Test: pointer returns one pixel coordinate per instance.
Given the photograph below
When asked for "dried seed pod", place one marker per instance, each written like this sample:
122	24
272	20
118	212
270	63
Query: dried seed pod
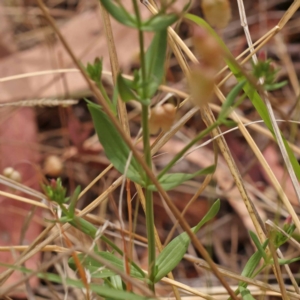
169	116
53	166
202	80
12	174
207	47
162	117
217	12
16	176
8	171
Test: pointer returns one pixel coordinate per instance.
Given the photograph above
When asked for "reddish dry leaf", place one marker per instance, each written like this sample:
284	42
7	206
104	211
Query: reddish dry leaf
17	133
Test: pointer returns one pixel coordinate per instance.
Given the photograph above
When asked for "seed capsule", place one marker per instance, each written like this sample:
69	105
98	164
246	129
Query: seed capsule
217	12
162	117
207	47
53	166
12	174
202	80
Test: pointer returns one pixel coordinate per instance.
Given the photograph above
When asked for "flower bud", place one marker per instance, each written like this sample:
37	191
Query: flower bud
216	12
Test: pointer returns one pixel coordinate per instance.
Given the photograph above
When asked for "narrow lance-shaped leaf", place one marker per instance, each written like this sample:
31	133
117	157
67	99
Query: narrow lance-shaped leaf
246	295
126	93
172	254
258	245
284	261
252	263
159	22
116	282
73	201
230	99
115	148
119	13
170	181
98	270
155	62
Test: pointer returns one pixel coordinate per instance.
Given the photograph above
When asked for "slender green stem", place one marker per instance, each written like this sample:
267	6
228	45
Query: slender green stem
149	200
141	43
148	158
180	154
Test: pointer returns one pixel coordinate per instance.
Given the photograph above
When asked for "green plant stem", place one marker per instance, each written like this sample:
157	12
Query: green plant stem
141	44
148	158
149	201
180	154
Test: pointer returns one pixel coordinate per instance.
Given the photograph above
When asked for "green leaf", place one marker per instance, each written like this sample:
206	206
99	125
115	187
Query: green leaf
116	282
230	99
250	91
125	91
98	270
276	86
246	295
159	22
279	238
292	158
155	63
283	261
115	148
258	245
73	201
170	181
229	123
172	254
95	71
119	13
83	225
252	263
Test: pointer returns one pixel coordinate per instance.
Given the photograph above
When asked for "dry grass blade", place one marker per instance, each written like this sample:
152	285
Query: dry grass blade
277	270
41	103
23	199
39	73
